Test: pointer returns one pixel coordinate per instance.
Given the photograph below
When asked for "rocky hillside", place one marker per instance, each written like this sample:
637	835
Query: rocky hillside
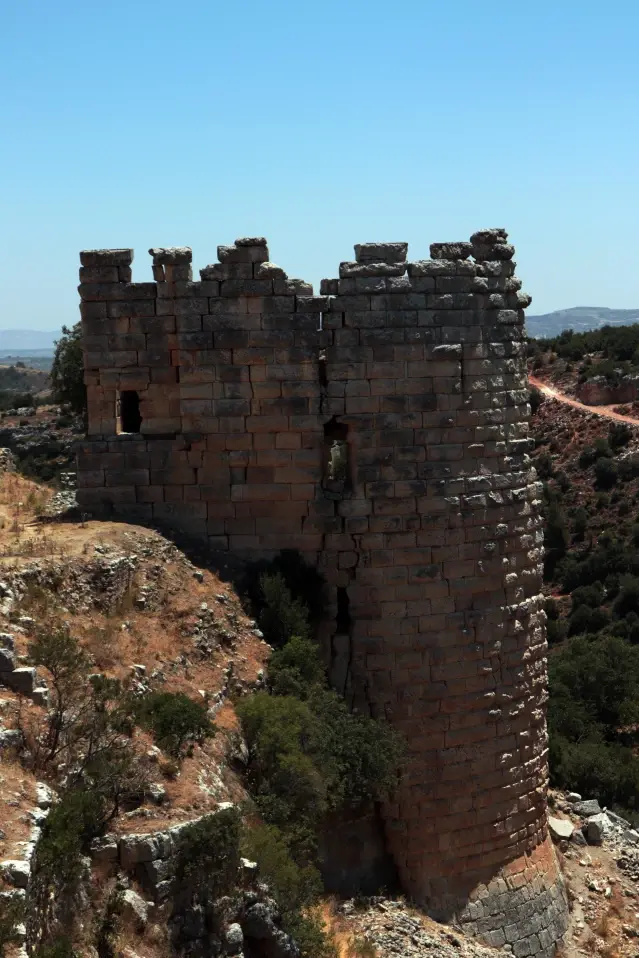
598	368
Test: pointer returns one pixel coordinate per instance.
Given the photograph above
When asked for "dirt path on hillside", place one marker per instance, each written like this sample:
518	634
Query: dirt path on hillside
606	411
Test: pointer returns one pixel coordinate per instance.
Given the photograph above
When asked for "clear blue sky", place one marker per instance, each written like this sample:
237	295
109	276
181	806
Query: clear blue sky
318	124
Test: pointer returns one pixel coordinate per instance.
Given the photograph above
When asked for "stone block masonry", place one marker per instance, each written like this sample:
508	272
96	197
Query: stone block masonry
381	429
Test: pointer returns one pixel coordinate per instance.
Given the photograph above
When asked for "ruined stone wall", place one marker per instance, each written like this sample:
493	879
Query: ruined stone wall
226	371
382	430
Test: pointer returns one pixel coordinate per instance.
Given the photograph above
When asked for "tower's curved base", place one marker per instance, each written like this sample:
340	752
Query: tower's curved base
524	905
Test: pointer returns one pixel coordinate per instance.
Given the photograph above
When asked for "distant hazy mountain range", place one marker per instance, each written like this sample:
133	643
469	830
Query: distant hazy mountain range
27	340
579	318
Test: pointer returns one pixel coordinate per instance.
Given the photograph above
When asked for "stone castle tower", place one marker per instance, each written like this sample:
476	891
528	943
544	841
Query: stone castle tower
381	429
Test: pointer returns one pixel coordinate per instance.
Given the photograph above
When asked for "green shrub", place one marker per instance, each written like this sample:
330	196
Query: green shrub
544	465
609	559
606	473
306	757
60	948
556	631
209	854
364	754
590	595
175	720
628	468
294	886
282	616
71	824
303	581
311	935
535	398
619	434
556	536
284	773
580	524
11	914
296	668
628	599
607	772
107	925
585	619
594	687
57	866
551	608
67	371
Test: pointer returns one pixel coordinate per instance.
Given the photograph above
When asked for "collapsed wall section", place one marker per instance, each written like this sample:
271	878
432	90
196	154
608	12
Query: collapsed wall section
203	397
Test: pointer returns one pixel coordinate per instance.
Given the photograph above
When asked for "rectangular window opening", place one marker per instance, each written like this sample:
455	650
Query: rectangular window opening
130	417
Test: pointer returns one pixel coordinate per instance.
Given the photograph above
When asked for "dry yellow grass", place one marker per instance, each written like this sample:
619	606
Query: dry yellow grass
347	944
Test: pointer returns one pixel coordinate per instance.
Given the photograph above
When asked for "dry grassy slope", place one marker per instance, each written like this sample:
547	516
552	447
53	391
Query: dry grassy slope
152	616
27	379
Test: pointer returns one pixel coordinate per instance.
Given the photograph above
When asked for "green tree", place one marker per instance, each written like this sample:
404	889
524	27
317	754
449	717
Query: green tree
175	720
282	616
67	664
209	854
606	473
67	371
11	915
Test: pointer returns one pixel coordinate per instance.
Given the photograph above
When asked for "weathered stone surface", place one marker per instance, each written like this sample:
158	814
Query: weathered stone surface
44	795
11	738
104	849
171	255
251	241
381	252
106	257
234	939
134	908
41	696
20	680
268	271
586	808
7	661
156	793
560	828
371	269
450	250
16	872
134	849
597	828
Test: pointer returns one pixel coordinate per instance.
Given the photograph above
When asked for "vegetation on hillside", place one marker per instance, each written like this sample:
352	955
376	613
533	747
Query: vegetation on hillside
307	754
84	744
590	471
611	352
67	371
